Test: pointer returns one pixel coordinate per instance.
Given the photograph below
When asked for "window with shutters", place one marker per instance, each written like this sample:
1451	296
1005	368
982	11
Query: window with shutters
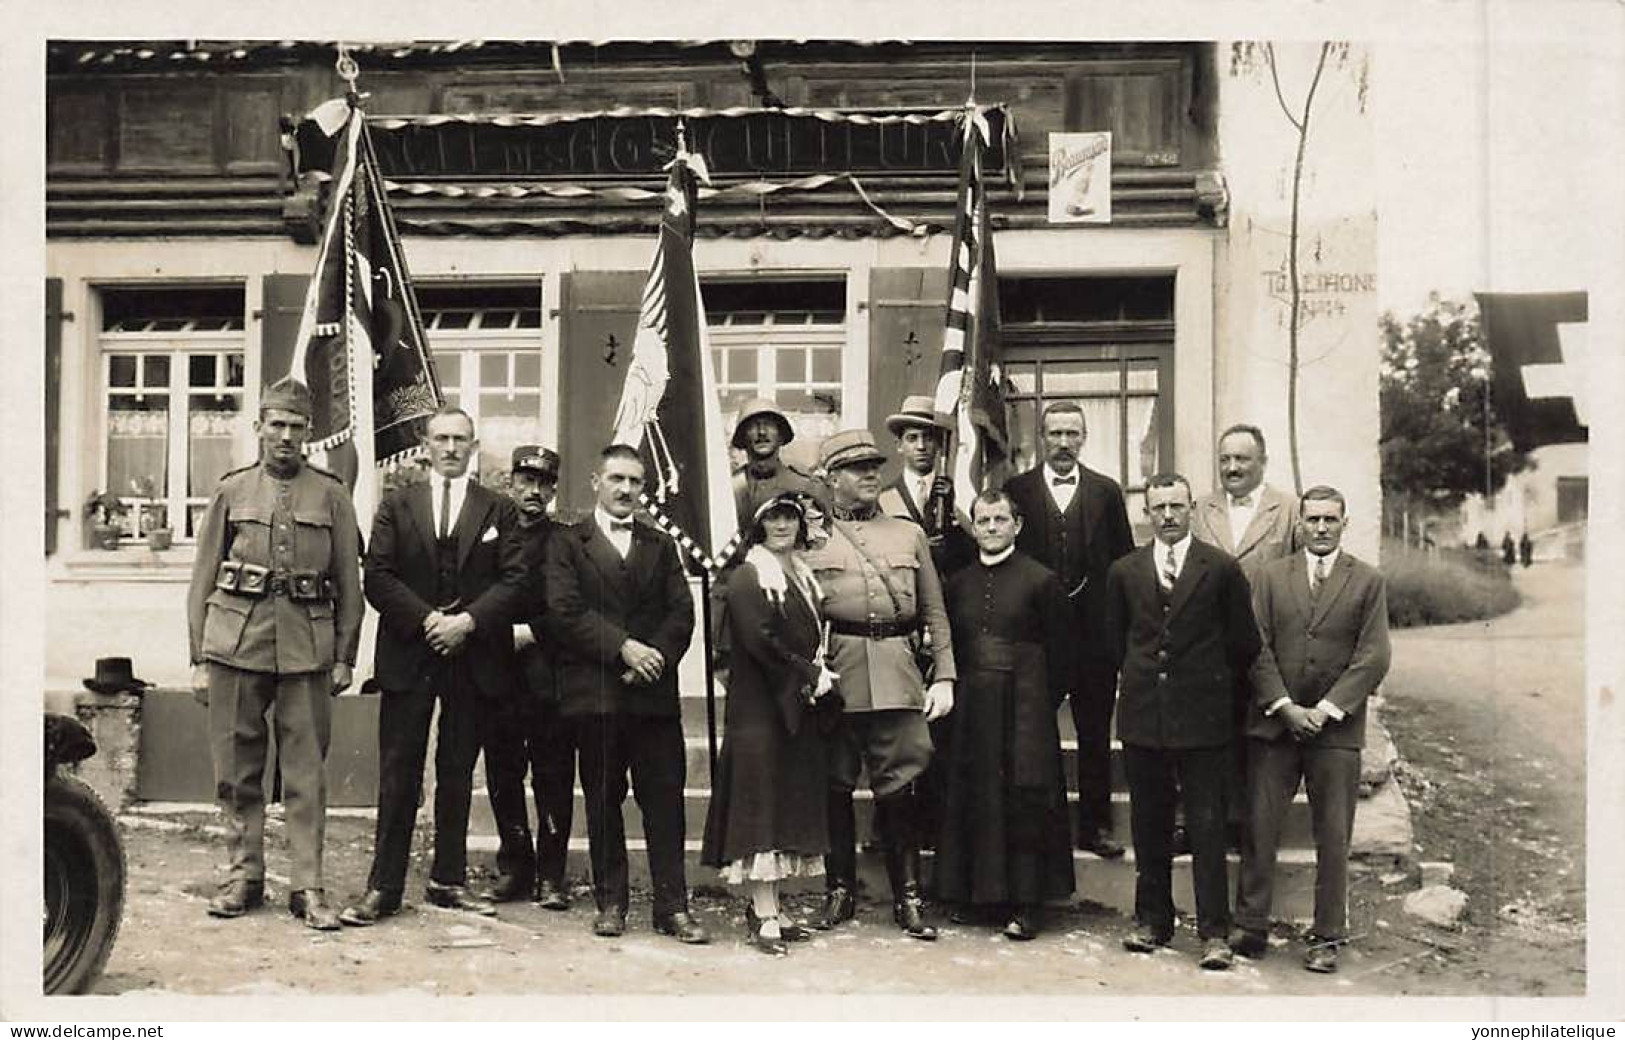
781	340
172	389
1106	344
487	347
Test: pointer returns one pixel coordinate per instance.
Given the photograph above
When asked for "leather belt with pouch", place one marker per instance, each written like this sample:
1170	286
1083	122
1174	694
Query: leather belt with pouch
888	628
250	579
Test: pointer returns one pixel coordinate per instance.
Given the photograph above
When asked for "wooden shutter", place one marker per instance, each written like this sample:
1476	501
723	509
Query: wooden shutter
283	301
53	408
907	308
600	317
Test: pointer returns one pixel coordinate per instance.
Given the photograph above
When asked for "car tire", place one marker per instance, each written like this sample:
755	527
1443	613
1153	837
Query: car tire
84	885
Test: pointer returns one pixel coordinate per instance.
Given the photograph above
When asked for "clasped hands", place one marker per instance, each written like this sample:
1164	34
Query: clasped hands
446	633
1303	723
644	664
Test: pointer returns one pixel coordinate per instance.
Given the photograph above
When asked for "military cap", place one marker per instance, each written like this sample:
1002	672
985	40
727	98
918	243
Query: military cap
288	395
918	410
847	448
537	459
759	406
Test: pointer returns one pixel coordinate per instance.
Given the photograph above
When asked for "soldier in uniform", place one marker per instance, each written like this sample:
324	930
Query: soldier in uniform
761	432
884	604
274	619
527	732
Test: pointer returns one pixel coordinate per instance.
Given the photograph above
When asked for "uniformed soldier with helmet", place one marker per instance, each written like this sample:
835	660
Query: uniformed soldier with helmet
885	609
274	618
761	432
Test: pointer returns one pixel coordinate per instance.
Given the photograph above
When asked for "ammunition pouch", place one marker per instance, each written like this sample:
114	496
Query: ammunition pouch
250	579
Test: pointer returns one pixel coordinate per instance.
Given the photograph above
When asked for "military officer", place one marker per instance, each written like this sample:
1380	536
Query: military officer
885	609
274	618
761	432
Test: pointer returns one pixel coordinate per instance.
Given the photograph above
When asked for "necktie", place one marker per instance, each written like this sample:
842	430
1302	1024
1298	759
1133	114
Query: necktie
1244	501
1058	481
1170	573
445	507
1320	574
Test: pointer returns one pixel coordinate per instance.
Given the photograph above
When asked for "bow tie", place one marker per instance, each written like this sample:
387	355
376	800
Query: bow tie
1242	500
620	525
1058	481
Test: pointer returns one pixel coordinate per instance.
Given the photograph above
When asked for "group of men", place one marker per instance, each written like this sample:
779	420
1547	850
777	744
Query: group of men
1236	650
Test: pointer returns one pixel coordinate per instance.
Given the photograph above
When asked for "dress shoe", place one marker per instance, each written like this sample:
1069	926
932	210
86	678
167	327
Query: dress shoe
1102	845
772	945
1321	956
610	922
551	896
237	897
1023	925
682	927
1179	843
458	897
789	930
510	888
909	913
310	906
1216	955
374	907
1144	940
839	907
1249	943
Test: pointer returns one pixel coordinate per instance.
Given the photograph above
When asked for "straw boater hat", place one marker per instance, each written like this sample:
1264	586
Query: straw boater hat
918	410
760	406
537	459
847	448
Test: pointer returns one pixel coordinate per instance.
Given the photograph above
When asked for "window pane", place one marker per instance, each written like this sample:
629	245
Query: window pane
527	369
1103	447
494	370
1023	376
121	370
1024	441
450	367
454	397
731	402
200	370
1066	378
742	367
210	423
137	446
1142	375
234	369
497	405
155	370
826	366
1134	501
1143	441
812	402
792	362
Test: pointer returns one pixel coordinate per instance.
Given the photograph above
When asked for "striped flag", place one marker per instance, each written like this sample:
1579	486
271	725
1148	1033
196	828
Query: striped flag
669	408
360	346
970	388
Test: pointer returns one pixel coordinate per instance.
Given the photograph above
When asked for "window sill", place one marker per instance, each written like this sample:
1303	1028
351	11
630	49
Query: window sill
133	562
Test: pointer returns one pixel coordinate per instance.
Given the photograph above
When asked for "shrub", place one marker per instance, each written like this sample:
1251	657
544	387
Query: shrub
1445	587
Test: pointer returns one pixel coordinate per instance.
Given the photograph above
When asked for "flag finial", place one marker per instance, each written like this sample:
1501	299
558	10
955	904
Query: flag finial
348	71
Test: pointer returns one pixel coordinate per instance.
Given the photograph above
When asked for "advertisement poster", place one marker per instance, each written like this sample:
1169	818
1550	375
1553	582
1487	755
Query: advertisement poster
1080	178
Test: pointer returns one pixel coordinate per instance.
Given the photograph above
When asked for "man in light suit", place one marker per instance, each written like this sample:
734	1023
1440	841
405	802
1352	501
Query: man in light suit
1076	525
446	573
1323	616
1255	523
619	617
1181	630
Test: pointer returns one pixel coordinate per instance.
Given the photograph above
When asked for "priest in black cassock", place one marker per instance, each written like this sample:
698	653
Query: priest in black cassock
1005	845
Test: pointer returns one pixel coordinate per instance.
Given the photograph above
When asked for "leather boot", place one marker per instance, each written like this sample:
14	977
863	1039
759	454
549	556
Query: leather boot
841	864
903	864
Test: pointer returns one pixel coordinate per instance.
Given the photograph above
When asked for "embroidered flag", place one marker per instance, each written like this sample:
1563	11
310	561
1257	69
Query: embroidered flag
1537	342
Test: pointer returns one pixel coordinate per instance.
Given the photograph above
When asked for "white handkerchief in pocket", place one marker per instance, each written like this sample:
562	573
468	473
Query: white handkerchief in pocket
490	535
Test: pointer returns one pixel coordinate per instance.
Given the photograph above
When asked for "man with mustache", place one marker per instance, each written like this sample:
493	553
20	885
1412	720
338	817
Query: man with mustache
527	733
619	617
761	433
1179	619
1077	525
274	613
882	597
446	574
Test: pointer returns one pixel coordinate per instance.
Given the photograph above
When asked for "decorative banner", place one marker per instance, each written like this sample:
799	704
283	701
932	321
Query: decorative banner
1080	178
1539	382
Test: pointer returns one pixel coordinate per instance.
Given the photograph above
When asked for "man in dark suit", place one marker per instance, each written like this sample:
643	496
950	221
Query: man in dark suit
1076	524
1324	619
620	615
1181	626
446	574
528	734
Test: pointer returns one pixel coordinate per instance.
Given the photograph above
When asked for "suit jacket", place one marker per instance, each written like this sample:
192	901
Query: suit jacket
401	580
1095	520
1179	665
957	547
538	666
1272	534
596	601
1335	648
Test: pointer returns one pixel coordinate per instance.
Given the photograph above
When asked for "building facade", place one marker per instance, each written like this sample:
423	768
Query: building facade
180	242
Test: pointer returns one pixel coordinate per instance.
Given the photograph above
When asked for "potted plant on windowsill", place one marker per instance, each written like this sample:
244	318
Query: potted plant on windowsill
153	519
104	510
